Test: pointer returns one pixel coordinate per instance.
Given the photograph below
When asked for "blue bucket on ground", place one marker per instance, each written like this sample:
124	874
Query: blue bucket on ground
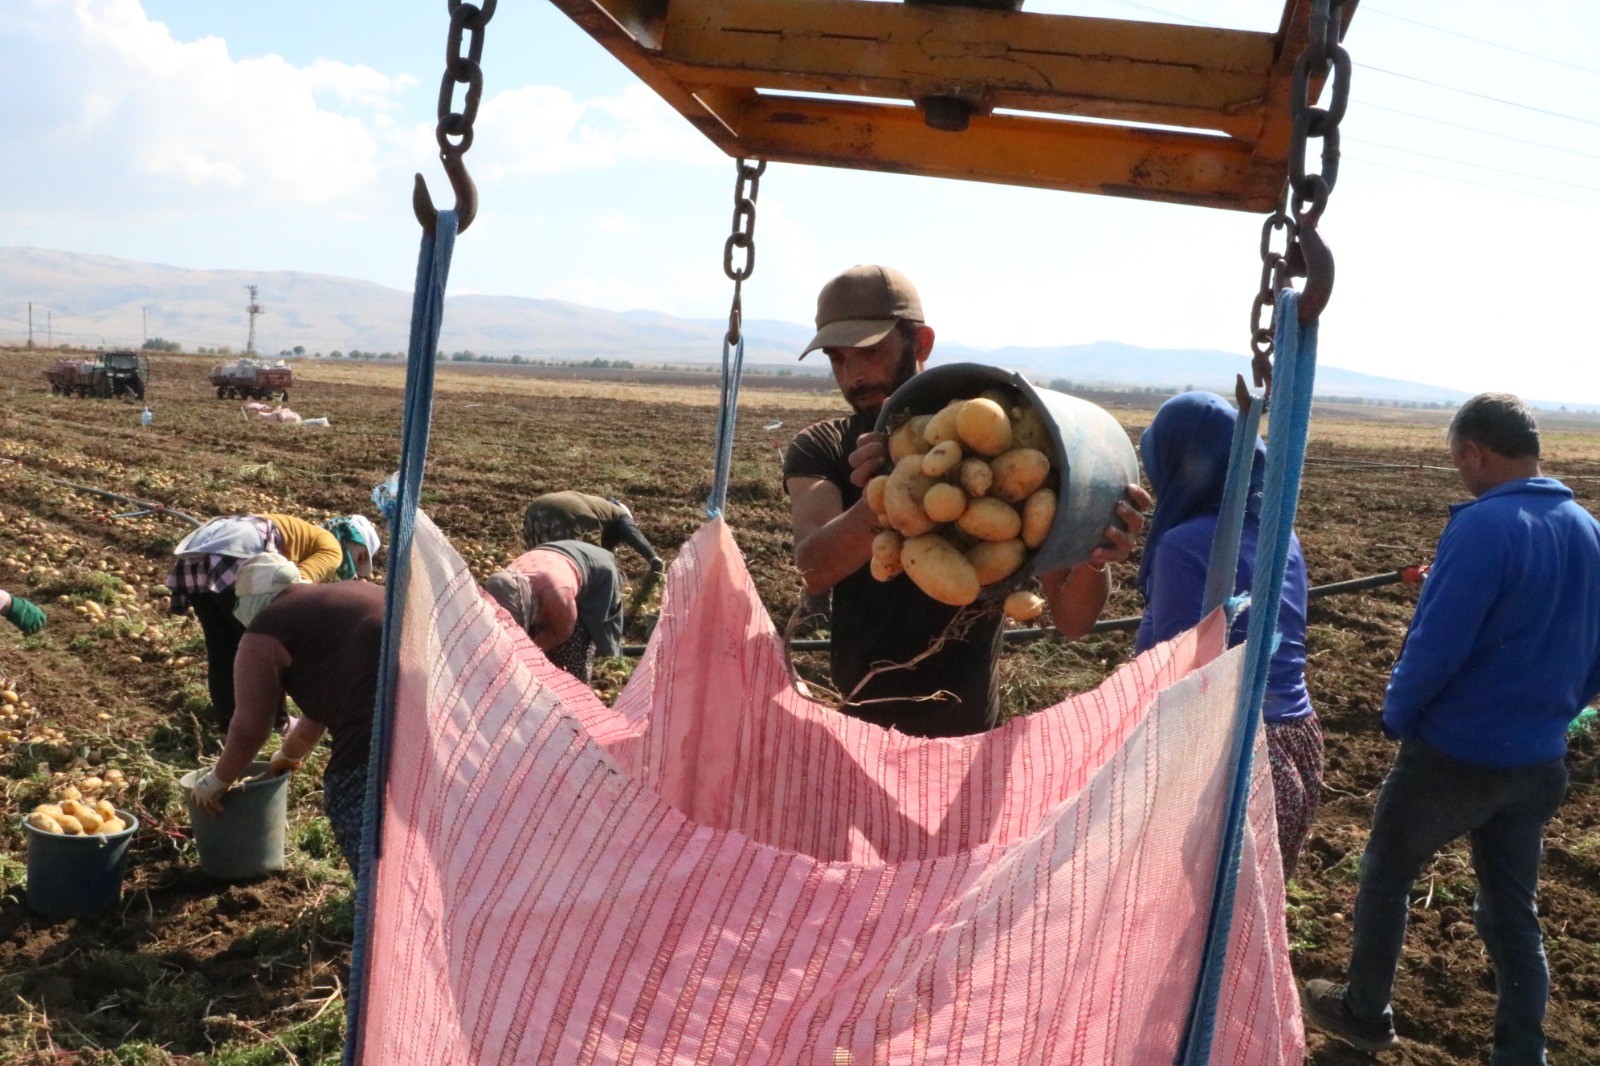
76	876
1096	459
246	839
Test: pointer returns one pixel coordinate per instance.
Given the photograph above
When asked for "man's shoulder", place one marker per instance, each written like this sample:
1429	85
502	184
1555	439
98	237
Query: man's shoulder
820	450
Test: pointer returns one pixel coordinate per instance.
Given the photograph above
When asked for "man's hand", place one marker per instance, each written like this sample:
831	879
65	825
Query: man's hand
207	793
657	564
25	615
870	458
1118	538
281	764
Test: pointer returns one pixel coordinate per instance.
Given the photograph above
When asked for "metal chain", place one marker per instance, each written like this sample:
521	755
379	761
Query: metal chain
454	132
743	237
1305	254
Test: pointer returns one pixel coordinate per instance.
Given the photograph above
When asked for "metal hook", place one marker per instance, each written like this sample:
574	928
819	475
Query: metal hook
466	196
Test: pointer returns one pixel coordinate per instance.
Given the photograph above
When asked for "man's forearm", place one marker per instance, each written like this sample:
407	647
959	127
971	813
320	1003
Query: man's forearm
247	733
1077	596
838	549
301	739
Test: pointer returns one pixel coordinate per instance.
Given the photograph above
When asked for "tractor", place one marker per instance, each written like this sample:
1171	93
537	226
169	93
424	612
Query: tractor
119	373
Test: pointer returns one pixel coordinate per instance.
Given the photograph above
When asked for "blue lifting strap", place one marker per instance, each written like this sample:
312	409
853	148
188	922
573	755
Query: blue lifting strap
427	314
727	418
1223	569
1294	373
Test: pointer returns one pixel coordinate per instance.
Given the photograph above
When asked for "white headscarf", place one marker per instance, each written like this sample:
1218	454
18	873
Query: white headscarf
260	579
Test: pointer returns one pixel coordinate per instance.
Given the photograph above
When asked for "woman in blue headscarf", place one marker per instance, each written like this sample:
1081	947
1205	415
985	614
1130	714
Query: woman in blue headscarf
1185	453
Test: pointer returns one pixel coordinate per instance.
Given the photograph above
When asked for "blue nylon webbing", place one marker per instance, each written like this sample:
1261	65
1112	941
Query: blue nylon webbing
727	418
427	314
1223	570
1294	374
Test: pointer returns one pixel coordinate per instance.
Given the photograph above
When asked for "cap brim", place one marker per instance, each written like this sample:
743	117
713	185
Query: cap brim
851	333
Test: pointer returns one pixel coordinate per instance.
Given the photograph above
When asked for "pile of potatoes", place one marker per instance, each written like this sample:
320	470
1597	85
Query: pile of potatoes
74	814
971	495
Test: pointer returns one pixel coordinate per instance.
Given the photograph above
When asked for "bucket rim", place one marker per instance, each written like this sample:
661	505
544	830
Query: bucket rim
252	781
99	839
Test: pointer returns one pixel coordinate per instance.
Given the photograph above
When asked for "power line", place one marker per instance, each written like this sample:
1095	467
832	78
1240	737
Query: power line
1480	96
1468	181
1367	9
1475	129
1479	166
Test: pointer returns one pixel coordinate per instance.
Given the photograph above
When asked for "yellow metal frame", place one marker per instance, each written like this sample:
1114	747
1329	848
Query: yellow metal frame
1211	105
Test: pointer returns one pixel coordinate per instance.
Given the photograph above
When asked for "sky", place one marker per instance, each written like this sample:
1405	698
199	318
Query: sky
283	136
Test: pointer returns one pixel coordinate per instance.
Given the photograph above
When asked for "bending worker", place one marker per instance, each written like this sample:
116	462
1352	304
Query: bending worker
208	560
1502	654
567	596
580	516
24	614
870	326
319	645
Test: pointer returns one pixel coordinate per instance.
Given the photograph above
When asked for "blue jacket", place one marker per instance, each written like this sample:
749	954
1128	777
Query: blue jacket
1177	587
1504	649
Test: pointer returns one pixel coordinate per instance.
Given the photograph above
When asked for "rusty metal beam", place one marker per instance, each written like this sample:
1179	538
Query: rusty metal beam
1103	68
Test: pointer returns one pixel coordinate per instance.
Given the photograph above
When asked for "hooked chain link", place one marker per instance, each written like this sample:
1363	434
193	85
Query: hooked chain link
743	237
1305	254
454	131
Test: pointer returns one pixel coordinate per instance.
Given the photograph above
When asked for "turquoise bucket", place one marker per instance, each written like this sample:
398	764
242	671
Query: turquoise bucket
1096	458
76	876
246	840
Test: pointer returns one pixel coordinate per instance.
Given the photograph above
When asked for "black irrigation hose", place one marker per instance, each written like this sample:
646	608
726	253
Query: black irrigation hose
1409	575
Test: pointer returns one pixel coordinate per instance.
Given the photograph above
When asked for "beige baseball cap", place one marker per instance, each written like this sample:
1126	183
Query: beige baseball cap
861	306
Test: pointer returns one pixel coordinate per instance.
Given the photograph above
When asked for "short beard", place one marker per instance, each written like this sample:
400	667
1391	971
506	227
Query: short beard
902	374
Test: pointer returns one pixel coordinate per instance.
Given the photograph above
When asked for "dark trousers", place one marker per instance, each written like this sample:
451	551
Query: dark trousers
1428	800
214	611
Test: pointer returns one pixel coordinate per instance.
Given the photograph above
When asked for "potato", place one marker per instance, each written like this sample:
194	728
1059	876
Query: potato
1018	472
104	809
113	825
975	477
886	555
940	570
990	519
944	503
902	497
983	426
1024	606
996	560
93	784
1030	431
89	820
873	493
44	823
71	793
942	426
53	810
908	439
1038	515
941	458
70	825
72	807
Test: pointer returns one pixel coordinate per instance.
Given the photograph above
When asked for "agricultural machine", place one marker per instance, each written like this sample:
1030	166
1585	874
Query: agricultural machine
112	374
253	379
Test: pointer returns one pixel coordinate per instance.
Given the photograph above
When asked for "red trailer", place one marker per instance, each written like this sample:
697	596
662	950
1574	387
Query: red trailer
253	379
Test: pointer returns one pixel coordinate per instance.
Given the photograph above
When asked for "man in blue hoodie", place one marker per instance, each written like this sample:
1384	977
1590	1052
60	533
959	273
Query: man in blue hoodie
1503	653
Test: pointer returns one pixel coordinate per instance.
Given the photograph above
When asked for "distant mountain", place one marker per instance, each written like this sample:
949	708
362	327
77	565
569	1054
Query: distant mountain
90	300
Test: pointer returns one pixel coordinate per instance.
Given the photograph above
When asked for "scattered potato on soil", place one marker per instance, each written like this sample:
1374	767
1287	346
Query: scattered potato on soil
1024	606
940	570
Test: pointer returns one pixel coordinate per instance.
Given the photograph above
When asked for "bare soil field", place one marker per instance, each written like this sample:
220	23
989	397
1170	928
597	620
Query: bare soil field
186	970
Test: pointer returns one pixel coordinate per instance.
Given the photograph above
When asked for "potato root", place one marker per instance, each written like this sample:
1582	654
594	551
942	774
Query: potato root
990	519
983	426
940	570
1018	472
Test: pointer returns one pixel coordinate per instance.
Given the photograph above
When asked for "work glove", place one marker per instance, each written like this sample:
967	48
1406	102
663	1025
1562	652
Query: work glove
657	564
207	792
25	615
281	764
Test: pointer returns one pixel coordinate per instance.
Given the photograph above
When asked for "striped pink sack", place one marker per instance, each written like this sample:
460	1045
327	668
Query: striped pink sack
719	870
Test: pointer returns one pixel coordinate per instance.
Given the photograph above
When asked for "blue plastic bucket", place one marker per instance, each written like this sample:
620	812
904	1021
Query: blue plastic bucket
246	839
76	876
1095	456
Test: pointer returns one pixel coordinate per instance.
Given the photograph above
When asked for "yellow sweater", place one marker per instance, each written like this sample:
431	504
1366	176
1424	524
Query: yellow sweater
313	549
